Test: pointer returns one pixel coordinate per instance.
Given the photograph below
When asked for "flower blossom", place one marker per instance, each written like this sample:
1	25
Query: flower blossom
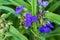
30	19
19	9
44	3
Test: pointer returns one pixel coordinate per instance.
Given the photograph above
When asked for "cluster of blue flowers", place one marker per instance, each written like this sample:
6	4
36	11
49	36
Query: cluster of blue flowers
30	19
43	3
46	28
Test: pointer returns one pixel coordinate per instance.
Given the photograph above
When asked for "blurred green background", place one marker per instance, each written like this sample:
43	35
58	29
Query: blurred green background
14	31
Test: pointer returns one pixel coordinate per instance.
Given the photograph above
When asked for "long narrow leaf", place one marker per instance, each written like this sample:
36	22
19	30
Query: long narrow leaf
2	2
7	9
16	33
21	2
54	6
53	17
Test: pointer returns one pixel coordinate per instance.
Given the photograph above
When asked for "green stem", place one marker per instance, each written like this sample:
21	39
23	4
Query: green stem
35	34
34	11
34	7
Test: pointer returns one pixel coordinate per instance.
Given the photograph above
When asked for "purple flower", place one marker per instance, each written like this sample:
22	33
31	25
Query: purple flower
19	9
45	3
41	29
34	19
30	19
40	1
28	16
47	30
50	25
44	29
27	23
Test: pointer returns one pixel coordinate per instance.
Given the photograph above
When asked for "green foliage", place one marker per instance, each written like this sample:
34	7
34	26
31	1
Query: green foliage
53	17
7	9
56	32
20	2
2	2
16	34
15	31
54	6
34	8
1	38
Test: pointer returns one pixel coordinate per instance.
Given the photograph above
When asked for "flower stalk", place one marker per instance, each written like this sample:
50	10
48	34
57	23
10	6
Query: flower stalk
34	12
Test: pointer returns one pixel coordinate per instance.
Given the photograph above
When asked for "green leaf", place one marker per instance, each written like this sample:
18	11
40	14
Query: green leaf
56	32
8	34
16	34
53	17
2	2
5	15
7	9
28	6
1	38
30	1
34	7
20	2
54	6
43	38
50	0
14	3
